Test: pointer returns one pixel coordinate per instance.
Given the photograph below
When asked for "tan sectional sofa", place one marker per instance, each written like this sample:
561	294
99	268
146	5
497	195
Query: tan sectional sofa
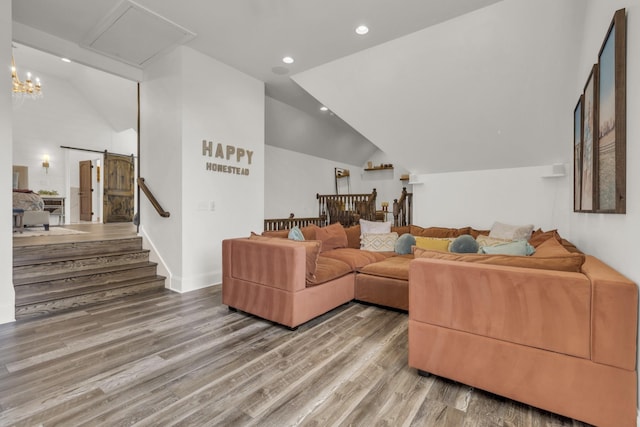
561	341
556	330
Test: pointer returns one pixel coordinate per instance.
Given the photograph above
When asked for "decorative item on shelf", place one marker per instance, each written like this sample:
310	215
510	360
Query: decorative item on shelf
369	165
404	177
385	206
26	89
48	192
45	163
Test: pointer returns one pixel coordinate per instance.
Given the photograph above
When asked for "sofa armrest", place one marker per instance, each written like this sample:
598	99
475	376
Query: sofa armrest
614	315
270	263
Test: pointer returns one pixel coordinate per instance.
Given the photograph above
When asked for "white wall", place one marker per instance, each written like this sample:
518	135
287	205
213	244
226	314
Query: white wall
206	206
292	181
480	198
486	90
7	295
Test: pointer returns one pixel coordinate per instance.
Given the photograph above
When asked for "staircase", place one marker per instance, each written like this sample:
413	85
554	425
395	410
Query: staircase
55	277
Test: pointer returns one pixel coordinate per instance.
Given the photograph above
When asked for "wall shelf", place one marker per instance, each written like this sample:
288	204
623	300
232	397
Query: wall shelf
378	168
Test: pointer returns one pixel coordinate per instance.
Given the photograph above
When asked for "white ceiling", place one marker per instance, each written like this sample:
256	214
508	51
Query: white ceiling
252	36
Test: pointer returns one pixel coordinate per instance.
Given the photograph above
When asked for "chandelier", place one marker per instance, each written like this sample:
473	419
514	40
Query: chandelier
27	88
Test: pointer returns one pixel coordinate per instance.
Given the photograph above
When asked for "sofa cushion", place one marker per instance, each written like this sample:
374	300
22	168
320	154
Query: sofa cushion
280	234
549	248
404	229
332	237
353	236
327	270
440	232
384	242
312	249
396	267
355	258
567	262
539	236
500	230
435	243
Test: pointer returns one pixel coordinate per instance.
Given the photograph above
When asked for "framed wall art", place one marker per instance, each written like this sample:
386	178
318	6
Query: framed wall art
577	155
589	120
611	108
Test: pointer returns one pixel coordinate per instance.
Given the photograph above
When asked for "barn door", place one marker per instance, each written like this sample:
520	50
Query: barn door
118	188
86	192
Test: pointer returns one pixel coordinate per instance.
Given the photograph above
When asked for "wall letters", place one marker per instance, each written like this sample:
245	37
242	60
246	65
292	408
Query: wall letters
228	152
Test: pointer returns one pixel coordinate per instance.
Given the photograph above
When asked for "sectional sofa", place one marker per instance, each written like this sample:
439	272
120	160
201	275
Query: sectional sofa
556	330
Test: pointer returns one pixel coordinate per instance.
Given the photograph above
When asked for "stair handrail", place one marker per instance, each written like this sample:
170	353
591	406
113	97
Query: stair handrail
147	192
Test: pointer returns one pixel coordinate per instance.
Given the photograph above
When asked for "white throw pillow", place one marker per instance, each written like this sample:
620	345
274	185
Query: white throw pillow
374	227
511	232
384	242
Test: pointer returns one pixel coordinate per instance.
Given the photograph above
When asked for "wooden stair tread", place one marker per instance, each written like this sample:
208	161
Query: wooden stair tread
54	277
77	292
53	260
80	273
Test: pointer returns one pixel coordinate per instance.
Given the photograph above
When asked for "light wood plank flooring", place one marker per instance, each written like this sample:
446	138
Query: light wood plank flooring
93	231
171	359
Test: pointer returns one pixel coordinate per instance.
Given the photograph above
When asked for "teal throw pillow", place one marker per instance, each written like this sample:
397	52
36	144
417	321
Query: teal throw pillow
404	243
464	244
296	234
518	247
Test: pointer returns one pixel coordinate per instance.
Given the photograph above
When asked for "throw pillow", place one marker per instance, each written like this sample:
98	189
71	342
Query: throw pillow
332	236
309	232
379	242
404	243
511	232
353	236
295	234
485	240
519	247
538	237
464	244
281	234
374	227
435	243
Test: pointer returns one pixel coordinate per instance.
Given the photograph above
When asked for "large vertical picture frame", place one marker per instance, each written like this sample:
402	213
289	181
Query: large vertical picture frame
577	155
589	122
610	143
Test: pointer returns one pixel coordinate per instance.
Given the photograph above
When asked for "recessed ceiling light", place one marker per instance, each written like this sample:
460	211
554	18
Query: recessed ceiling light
323	108
287	60
65	59
362	30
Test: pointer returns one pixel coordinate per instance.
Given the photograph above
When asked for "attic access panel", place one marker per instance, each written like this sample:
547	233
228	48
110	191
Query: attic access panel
134	34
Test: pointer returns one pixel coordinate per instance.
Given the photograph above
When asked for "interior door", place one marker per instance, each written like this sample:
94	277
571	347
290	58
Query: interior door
119	188
86	208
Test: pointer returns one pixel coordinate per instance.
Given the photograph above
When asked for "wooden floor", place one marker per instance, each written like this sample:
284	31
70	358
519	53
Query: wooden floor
172	359
92	231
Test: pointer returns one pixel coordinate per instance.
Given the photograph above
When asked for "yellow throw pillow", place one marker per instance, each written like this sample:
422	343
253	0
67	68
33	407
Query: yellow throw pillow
433	243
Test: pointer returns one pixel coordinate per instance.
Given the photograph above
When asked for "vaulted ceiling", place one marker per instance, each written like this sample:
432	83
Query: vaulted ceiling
251	36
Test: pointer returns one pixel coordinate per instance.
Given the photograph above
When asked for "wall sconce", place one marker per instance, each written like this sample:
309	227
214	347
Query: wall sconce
45	163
